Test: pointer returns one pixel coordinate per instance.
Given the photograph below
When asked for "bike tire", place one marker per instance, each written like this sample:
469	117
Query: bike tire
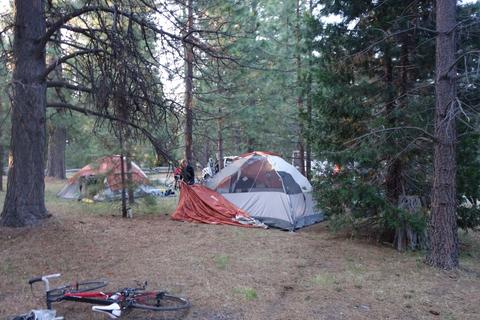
58	293
157	305
87	286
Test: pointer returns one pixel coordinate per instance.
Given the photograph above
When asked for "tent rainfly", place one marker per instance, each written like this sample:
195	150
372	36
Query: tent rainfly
102	180
269	189
198	203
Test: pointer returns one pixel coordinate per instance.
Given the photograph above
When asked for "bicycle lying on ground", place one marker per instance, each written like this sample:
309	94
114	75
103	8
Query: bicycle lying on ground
133	303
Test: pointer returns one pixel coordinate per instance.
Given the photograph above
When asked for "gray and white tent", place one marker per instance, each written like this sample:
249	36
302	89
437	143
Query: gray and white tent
269	189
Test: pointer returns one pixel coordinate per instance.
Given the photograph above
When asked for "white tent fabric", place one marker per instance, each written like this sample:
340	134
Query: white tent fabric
269	189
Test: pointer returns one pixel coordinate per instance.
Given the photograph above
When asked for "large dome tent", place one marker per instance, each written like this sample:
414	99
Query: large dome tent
269	189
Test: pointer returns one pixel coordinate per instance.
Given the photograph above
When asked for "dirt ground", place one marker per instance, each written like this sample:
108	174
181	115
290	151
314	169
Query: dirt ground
233	272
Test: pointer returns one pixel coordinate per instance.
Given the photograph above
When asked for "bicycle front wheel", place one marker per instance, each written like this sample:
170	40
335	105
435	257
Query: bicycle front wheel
87	286
157	305
57	293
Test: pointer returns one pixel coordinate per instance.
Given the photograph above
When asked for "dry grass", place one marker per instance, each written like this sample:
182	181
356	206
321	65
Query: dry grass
230	272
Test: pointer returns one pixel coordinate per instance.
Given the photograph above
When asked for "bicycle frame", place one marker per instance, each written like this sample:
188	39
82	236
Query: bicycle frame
85	297
91	297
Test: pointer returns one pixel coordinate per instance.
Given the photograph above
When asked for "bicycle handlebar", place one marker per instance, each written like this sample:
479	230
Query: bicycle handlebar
33	280
44	279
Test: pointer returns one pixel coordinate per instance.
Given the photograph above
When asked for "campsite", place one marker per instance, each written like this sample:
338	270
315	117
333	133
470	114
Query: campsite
234	272
239	160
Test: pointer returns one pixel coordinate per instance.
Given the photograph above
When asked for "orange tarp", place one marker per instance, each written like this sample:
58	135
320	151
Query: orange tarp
200	204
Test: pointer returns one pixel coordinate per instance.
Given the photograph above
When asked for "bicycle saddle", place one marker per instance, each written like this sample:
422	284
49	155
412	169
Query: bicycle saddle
113	310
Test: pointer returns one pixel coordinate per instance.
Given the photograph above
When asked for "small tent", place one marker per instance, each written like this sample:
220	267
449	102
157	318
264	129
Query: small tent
269	189
102	180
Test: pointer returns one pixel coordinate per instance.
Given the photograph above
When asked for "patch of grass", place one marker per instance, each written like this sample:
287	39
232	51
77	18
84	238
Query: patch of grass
150	201
420	263
247	292
324	280
449	316
222	261
354	268
355	272
7	267
470	246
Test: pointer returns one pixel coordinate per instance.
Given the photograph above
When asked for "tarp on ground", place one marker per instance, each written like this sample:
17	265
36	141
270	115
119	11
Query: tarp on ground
201	204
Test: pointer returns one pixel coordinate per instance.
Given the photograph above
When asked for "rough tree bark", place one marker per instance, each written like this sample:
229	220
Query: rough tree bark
189	87
443	235
301	143
124	185
220	139
308	145
131	191
1	147
24	202
57	135
393	177
56	152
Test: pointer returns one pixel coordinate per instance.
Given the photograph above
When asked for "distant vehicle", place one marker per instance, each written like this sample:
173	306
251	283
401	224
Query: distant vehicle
228	160
319	168
212	167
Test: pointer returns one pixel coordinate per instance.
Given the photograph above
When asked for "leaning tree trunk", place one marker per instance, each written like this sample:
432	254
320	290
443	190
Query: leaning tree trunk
24	202
56	152
443	235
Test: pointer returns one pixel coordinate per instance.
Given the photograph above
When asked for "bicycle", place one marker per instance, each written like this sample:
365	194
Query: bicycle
135	303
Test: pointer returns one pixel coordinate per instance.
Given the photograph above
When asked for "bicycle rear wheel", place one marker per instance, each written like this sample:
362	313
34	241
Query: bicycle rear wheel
157	305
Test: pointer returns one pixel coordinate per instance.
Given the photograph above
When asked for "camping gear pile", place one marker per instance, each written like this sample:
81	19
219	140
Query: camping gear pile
101	180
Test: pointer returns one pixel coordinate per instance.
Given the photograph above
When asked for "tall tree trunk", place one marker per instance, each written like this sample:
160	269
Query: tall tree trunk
237	136
308	146
189	87
301	144
56	152
220	140
2	156
131	191
24	202
443	235
206	151
1	147
124	185
250	144
394	171
57	135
